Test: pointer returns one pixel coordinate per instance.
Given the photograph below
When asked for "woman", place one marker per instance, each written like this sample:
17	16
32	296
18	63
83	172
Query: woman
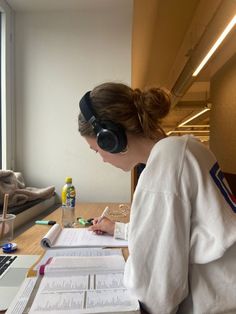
182	230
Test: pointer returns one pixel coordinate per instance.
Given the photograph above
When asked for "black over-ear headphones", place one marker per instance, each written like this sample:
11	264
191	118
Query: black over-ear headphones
111	136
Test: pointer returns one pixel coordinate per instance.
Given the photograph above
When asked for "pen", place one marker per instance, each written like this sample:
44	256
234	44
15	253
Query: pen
103	214
45	222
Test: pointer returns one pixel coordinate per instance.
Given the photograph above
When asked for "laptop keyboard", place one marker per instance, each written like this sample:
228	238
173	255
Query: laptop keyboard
5	262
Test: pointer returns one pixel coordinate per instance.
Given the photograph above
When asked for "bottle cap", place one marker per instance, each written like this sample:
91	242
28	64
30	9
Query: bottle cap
68	180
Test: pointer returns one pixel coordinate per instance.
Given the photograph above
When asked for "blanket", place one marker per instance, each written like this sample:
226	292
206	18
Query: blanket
13	183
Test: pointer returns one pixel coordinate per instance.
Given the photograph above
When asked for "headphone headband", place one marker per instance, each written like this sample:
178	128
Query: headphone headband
86	108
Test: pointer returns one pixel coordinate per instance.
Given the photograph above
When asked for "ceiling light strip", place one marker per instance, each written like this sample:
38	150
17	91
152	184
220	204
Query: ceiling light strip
216	45
195	126
193	117
186	131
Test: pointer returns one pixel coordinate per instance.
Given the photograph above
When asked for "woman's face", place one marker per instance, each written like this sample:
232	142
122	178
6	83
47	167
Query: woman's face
124	161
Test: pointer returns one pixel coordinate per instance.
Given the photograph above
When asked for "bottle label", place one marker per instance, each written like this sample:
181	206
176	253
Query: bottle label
68	199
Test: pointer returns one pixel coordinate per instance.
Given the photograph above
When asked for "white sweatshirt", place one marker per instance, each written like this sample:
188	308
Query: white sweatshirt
182	232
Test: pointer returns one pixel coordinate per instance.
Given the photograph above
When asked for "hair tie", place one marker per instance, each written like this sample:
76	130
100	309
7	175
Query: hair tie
137	99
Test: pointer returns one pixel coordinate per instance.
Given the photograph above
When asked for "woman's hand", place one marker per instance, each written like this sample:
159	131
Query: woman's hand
105	226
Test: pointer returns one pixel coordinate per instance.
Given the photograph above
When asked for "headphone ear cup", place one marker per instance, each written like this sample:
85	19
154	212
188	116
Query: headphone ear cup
111	137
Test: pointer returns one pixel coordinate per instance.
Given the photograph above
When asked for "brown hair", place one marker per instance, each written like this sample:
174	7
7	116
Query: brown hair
139	112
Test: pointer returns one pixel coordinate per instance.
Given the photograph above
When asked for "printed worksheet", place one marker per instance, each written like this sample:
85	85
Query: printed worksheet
81	284
92	293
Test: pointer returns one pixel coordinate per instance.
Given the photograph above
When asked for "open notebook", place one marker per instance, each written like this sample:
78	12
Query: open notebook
76	285
57	237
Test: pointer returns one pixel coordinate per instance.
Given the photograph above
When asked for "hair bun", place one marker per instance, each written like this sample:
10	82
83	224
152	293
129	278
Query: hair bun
160	100
152	105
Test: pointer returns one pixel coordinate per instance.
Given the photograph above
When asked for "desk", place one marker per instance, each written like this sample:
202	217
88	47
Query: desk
29	241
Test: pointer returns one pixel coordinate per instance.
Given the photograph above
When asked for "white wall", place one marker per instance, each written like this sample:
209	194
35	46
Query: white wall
59	55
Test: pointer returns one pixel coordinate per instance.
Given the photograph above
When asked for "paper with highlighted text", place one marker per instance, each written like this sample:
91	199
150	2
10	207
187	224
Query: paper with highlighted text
84	285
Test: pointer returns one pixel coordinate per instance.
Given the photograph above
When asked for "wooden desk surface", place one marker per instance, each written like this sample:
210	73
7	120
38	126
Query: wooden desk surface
29	241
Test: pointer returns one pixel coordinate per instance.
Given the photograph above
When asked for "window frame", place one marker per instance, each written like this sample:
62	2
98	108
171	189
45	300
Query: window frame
0	93
7	88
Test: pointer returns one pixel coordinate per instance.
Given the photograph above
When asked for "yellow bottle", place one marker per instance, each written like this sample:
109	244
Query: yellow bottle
68	203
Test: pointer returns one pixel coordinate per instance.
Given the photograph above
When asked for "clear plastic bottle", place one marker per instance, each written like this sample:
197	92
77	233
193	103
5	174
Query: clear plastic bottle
68	203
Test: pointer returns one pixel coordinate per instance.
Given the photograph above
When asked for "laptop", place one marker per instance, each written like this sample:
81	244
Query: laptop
13	270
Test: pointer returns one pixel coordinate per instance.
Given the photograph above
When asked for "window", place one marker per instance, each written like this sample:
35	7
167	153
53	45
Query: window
7	124
0	93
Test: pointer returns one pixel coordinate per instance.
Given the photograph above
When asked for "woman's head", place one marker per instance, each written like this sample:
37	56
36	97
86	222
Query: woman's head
138	114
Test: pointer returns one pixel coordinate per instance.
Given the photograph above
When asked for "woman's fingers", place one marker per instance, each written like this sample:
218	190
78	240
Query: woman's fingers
105	226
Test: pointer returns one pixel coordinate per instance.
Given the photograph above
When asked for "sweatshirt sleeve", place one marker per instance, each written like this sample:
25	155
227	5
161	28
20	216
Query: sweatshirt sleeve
121	230
157	268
